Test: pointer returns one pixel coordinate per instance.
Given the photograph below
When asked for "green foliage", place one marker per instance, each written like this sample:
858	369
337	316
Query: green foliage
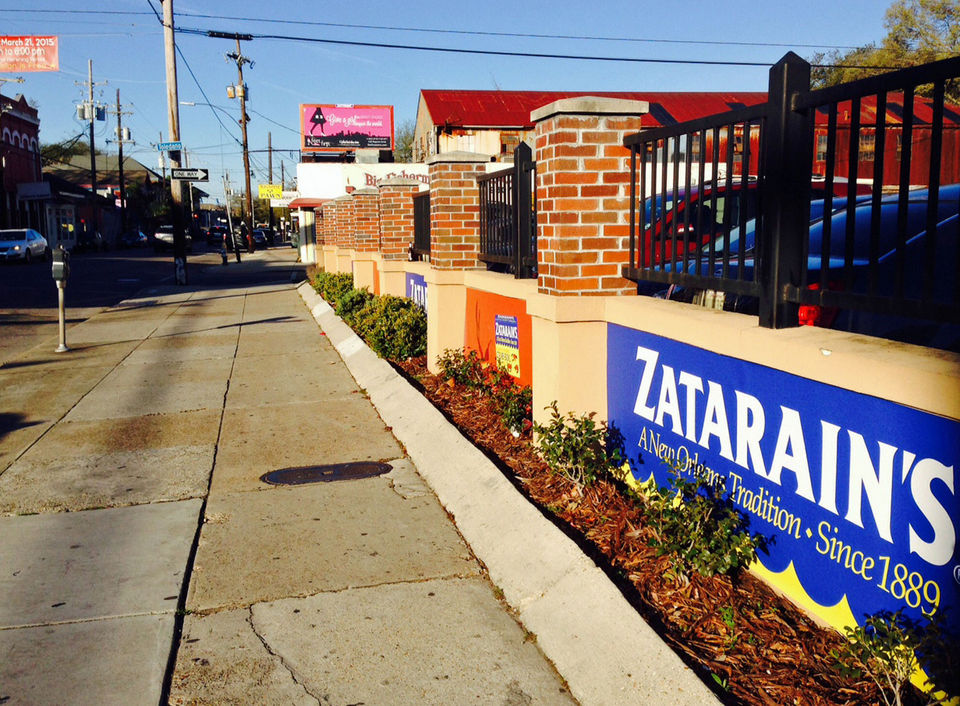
351	302
467	369
578	447
332	286
393	327
698	528
512	401
889	647
918	32
403	149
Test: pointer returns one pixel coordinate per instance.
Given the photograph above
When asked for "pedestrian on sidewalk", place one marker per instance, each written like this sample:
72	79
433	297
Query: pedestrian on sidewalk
247	237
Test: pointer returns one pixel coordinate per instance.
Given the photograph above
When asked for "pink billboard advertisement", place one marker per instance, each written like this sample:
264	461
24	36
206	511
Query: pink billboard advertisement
346	127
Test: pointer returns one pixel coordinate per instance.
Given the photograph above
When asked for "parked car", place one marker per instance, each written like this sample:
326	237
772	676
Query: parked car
133	239
885	276
23	244
163	239
216	236
709	206
259	238
91	241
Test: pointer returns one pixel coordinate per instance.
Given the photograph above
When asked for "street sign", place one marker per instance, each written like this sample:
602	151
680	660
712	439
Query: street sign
190	174
169	146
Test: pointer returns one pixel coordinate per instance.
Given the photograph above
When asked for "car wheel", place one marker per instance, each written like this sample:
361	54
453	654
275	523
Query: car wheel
28	257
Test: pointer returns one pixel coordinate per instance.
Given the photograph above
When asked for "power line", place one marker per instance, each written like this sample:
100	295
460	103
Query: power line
435	30
525	55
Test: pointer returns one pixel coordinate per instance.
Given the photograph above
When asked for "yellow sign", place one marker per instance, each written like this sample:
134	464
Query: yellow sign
270	191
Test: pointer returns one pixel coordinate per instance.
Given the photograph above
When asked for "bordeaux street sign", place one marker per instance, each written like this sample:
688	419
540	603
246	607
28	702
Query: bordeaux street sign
169	146
190	174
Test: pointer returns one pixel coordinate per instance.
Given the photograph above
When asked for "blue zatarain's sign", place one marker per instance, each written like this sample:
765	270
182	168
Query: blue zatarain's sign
858	494
417	289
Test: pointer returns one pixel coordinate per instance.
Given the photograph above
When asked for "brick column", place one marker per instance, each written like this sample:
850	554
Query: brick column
346	236
583	199
454	246
330	215
455	209
366	208
396	232
396	217
583	217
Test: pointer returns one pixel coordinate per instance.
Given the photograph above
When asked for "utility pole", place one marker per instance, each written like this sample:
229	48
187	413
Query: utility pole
173	123
240	90
122	138
90	111
270	175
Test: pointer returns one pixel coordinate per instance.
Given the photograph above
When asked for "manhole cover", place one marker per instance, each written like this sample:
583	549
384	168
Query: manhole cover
327	473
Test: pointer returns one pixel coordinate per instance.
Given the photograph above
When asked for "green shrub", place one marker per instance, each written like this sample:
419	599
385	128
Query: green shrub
889	647
698	527
464	368
578	447
331	286
513	401
350	303
393	327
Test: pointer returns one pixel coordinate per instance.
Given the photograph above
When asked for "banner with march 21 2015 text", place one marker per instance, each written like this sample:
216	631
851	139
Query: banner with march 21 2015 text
19	54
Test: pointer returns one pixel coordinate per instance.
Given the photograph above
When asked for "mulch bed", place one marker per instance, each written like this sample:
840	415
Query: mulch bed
747	643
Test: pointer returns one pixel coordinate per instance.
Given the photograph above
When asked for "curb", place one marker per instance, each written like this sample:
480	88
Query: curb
596	640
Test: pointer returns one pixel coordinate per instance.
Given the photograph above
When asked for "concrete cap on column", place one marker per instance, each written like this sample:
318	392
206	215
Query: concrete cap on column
590	105
366	191
452	157
400	181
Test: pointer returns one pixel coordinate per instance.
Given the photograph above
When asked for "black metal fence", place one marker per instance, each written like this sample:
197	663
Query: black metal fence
508	216
421	226
840	204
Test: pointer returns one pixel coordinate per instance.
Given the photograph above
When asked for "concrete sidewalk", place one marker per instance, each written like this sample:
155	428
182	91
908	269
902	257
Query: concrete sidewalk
136	522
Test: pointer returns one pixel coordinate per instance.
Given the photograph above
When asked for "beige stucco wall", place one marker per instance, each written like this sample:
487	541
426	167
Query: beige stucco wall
570	333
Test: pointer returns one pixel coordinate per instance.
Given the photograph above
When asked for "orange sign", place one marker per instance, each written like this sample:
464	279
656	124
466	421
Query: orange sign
19	54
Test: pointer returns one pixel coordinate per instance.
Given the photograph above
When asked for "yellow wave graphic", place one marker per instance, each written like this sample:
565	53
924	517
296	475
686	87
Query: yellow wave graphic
839	615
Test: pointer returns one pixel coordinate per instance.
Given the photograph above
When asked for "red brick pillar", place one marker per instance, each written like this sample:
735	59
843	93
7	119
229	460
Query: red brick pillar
455	210
583	197
366	206
454	247
345	237
396	217
329	215
366	215
396	233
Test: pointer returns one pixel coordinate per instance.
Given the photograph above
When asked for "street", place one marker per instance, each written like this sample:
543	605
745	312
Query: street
28	294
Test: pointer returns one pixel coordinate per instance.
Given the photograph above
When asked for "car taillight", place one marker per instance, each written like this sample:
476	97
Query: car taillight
816	315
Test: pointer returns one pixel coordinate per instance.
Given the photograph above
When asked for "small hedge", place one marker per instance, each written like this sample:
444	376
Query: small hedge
393	327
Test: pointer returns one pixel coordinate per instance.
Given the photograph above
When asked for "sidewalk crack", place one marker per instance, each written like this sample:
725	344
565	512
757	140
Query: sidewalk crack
283	662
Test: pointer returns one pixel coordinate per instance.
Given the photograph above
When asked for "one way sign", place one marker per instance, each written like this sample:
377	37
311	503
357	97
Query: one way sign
190	174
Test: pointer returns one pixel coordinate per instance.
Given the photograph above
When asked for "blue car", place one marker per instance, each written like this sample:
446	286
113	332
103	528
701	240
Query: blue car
885	276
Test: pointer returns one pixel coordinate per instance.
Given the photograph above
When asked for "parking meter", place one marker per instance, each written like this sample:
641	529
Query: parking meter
61	270
61	265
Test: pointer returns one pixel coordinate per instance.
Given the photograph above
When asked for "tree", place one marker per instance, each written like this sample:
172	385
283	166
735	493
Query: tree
59	152
403	150
918	32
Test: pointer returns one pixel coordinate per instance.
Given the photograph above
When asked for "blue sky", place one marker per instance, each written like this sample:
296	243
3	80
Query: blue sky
127	53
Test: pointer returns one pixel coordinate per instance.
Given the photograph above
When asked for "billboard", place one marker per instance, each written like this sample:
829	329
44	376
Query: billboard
23	53
857	495
345	127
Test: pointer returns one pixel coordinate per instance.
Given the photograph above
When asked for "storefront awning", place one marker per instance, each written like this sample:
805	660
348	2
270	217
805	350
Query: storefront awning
303	202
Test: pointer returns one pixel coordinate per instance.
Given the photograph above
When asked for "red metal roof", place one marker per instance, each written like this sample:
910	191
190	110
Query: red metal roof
303	202
511	109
